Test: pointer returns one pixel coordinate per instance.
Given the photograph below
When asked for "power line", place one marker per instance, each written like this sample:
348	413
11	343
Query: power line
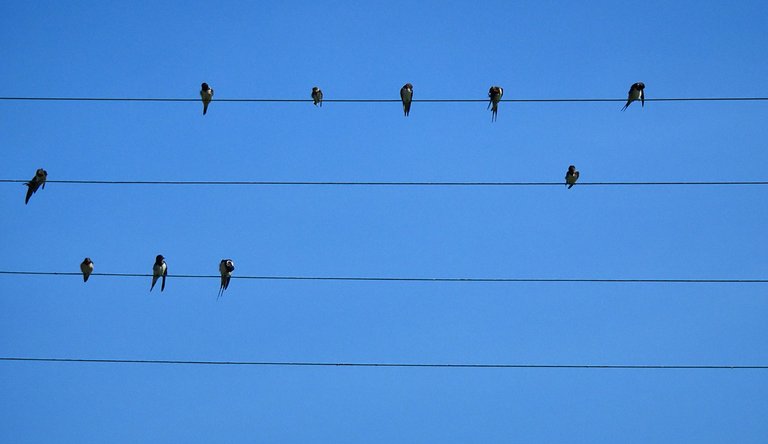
406	279
555	100
385	183
392	364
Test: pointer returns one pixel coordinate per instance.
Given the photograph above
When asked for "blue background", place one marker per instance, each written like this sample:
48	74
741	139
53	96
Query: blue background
369	50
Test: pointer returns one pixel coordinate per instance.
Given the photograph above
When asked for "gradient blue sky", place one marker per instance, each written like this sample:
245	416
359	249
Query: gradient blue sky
369	50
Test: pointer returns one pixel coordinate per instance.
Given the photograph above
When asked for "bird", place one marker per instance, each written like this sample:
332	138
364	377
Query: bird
206	93
495	94
159	269
317	96
226	267
571	176
636	92
406	94
87	268
32	186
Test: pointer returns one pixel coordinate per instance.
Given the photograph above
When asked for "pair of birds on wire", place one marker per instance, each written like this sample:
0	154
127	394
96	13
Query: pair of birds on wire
160	270
41	176
495	93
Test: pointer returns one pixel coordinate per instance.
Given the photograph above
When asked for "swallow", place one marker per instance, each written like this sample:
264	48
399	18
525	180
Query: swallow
406	94
317	96
206	93
40	176
226	267
159	269
636	92
495	94
87	268
571	176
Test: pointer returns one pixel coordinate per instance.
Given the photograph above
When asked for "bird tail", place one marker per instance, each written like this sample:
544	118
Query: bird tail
626	105
205	108
570	186
162	285
85	278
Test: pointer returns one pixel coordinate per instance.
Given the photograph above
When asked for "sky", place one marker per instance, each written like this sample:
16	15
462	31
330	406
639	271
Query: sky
447	50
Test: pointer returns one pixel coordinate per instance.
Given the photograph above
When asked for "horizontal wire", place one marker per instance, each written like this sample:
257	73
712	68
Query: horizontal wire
383	183
400	279
391	364
576	100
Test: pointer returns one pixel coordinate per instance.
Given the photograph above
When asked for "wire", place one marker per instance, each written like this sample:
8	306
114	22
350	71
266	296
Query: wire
389	364
385	183
405	279
152	99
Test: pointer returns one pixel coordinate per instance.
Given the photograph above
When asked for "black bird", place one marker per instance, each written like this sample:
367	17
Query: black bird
495	94
226	267
87	268
159	269
636	92
571	176
406	94
206	93
32	186
317	96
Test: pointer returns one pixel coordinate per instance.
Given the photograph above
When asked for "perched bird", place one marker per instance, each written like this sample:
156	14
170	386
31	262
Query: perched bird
636	92
226	267
159	269
406	94
206	93
571	176
87	268
40	176
317	96
495	94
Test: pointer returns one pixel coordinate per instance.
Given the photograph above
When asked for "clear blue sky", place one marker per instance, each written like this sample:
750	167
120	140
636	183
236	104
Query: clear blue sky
369	50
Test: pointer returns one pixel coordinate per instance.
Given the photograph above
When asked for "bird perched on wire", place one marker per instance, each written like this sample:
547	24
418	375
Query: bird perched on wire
571	176
226	267
159	269
317	96
495	94
33	185
206	93
636	92
406	95
87	268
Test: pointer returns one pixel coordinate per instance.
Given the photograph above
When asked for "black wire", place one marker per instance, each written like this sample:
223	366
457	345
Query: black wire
151	99
384	183
404	279
399	365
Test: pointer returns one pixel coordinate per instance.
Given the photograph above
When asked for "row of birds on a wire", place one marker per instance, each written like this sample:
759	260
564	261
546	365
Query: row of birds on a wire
495	93
160	272
41	176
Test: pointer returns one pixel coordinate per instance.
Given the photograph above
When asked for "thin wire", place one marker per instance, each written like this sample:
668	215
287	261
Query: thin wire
156	99
391	364
403	279
385	183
